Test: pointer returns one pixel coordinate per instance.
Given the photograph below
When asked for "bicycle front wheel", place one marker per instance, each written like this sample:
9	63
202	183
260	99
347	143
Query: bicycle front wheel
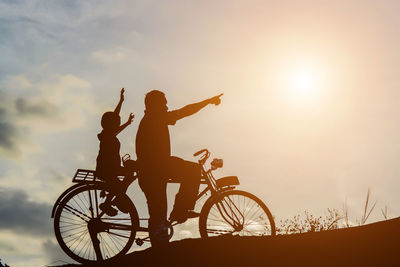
235	212
86	233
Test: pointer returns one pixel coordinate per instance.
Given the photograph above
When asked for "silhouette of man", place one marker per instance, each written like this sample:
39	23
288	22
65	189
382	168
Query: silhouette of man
157	165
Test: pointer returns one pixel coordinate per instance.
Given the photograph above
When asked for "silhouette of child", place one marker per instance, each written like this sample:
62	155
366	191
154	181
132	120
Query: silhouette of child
108	161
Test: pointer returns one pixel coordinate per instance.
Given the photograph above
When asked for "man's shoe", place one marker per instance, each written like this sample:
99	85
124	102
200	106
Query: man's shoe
192	214
177	216
181	217
106	207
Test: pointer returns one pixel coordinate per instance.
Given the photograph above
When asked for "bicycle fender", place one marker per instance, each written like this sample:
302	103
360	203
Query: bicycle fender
227	181
61	197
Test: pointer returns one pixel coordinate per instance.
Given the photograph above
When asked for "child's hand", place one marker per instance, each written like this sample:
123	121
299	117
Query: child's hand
122	94
130	119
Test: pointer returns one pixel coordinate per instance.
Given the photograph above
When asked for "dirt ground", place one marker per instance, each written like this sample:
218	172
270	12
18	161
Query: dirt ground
376	244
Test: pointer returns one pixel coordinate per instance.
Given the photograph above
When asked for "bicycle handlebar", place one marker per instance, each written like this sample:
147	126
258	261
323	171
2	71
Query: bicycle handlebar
199	152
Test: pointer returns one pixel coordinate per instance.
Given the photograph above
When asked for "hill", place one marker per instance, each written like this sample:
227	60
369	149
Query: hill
376	244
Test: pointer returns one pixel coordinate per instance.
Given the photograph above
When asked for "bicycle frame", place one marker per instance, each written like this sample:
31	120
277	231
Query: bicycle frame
85	177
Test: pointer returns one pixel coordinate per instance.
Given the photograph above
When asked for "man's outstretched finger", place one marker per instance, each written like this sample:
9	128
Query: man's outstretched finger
216	99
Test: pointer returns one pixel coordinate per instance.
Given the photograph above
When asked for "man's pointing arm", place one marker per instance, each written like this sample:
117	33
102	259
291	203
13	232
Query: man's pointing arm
191	109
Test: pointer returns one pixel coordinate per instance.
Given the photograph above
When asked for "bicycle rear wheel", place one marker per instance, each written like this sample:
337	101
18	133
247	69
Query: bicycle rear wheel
235	212
87	234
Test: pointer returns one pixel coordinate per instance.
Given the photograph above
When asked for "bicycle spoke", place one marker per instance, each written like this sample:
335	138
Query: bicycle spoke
78	205
104	246
256	209
114	242
91	204
88	248
111	233
74	235
219	231
73	210
259	213
80	237
68	221
83	204
249	209
71	229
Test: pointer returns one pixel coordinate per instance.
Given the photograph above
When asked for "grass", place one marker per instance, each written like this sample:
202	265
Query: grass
385	213
310	223
367	210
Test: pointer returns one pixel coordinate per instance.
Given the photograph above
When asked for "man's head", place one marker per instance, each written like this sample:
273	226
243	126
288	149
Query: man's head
155	101
110	121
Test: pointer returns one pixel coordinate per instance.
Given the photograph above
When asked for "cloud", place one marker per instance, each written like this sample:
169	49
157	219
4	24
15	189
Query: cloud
6	247
53	252
10	135
31	107
22	250
28	107
110	56
13	140
7	132
22	216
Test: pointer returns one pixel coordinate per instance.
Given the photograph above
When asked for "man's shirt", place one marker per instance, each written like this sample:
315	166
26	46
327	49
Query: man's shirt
153	146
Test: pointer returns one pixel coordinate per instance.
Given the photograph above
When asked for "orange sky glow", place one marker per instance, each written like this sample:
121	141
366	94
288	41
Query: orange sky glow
309	118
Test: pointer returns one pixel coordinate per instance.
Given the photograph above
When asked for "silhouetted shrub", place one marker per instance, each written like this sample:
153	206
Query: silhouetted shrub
310	223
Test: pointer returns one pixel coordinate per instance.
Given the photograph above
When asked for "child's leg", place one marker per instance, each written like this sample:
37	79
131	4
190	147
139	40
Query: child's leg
128	171
114	184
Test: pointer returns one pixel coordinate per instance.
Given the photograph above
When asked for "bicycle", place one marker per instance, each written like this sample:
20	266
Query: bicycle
87	234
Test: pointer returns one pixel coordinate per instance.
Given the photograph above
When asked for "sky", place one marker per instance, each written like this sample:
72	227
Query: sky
308	119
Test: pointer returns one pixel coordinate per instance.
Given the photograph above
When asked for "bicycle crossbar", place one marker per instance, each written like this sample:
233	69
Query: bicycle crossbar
177	180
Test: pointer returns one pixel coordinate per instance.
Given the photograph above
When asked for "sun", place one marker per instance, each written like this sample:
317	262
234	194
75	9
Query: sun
302	84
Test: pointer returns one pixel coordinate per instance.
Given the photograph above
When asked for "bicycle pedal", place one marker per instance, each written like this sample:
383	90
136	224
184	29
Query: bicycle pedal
139	242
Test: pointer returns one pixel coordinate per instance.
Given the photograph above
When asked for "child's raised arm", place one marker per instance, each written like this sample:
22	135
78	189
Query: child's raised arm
121	99
129	121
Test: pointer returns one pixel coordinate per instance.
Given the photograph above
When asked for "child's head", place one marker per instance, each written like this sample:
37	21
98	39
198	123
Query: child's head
110	121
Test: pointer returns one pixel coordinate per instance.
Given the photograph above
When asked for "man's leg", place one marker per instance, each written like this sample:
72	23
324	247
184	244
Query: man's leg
189	174
155	190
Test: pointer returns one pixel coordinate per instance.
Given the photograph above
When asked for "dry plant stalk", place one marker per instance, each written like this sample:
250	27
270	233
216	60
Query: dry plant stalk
367	212
385	213
310	223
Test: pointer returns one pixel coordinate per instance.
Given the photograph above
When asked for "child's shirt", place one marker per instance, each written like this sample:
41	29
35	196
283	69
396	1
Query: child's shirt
108	160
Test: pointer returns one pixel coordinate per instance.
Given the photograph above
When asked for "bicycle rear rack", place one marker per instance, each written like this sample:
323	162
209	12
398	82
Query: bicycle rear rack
83	175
